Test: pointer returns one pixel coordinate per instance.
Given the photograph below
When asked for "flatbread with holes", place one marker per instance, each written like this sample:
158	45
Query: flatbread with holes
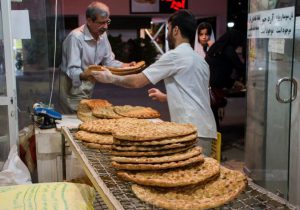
84	113
98	146
86	116
211	195
94	103
108	125
154	148
138	67
126	72
153	131
159	166
182	139
94	137
99	126
106	113
162	159
196	174
92	68
149	153
136	111
85	107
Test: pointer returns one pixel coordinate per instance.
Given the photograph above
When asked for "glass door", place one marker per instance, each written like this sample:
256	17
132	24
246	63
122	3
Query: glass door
271	89
8	99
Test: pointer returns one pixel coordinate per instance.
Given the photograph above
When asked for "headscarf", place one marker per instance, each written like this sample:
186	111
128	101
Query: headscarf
197	46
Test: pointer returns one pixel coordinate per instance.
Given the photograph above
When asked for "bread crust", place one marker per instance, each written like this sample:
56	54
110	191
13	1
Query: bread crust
196	174
94	137
141	167
211	195
162	159
153	131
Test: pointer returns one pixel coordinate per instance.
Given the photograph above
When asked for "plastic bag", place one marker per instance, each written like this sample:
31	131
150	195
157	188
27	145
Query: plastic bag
14	170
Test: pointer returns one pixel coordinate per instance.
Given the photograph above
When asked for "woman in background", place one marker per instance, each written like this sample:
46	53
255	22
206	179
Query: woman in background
226	69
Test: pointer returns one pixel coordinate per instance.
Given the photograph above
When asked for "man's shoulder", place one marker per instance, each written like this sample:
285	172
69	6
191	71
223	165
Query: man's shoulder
77	32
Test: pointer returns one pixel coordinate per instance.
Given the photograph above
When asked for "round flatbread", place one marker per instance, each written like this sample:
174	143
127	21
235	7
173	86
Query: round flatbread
106	113
182	139
211	195
162	159
137	112
153	131
98	146
195	174
94	103
109	125
149	153
94	137
99	126
85	107
141	167
139	65
154	148
86	116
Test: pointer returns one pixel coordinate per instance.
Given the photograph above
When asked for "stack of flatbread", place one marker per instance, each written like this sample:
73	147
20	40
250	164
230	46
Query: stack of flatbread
85	107
164	164
97	134
155	146
137	68
168	169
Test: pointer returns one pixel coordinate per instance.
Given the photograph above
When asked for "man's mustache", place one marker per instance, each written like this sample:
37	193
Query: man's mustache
102	30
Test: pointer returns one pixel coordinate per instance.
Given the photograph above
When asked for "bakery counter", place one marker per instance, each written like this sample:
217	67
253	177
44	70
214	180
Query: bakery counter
117	194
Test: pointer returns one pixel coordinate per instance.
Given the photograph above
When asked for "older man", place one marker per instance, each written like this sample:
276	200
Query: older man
84	46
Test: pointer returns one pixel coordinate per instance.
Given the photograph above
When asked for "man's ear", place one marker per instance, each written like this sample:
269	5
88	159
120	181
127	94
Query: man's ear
89	20
176	30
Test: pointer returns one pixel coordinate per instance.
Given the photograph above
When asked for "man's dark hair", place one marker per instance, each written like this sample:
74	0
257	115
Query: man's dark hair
186	22
93	11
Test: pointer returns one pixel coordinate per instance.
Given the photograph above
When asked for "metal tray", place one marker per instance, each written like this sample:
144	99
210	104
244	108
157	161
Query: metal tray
117	194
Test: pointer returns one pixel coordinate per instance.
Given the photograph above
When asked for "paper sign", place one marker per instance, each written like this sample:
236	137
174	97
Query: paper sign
276	23
20	24
276	45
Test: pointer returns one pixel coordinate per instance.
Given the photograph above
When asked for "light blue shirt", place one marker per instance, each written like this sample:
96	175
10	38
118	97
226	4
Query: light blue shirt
80	50
186	77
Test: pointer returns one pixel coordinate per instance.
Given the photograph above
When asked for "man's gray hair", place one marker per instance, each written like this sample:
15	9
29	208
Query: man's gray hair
96	8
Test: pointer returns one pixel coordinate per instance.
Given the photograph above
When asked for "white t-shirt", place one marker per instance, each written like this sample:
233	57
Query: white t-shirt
186	76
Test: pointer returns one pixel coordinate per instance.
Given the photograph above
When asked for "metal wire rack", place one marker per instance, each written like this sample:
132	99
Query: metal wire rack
99	203
117	194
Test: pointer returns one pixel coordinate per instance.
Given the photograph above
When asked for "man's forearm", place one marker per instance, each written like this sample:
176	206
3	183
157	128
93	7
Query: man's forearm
130	81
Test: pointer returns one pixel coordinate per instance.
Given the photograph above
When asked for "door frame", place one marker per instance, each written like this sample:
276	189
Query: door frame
10	100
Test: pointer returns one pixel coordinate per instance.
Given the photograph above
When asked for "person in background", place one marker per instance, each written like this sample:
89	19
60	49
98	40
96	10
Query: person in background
84	46
204	38
186	79
224	63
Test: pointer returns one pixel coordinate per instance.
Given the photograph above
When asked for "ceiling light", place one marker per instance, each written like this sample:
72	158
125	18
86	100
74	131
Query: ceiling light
230	24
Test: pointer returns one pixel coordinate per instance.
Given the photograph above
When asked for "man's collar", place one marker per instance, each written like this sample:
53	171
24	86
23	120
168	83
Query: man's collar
183	44
87	34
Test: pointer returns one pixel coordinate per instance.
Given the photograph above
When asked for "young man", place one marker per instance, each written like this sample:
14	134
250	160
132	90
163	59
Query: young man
186	77
84	46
